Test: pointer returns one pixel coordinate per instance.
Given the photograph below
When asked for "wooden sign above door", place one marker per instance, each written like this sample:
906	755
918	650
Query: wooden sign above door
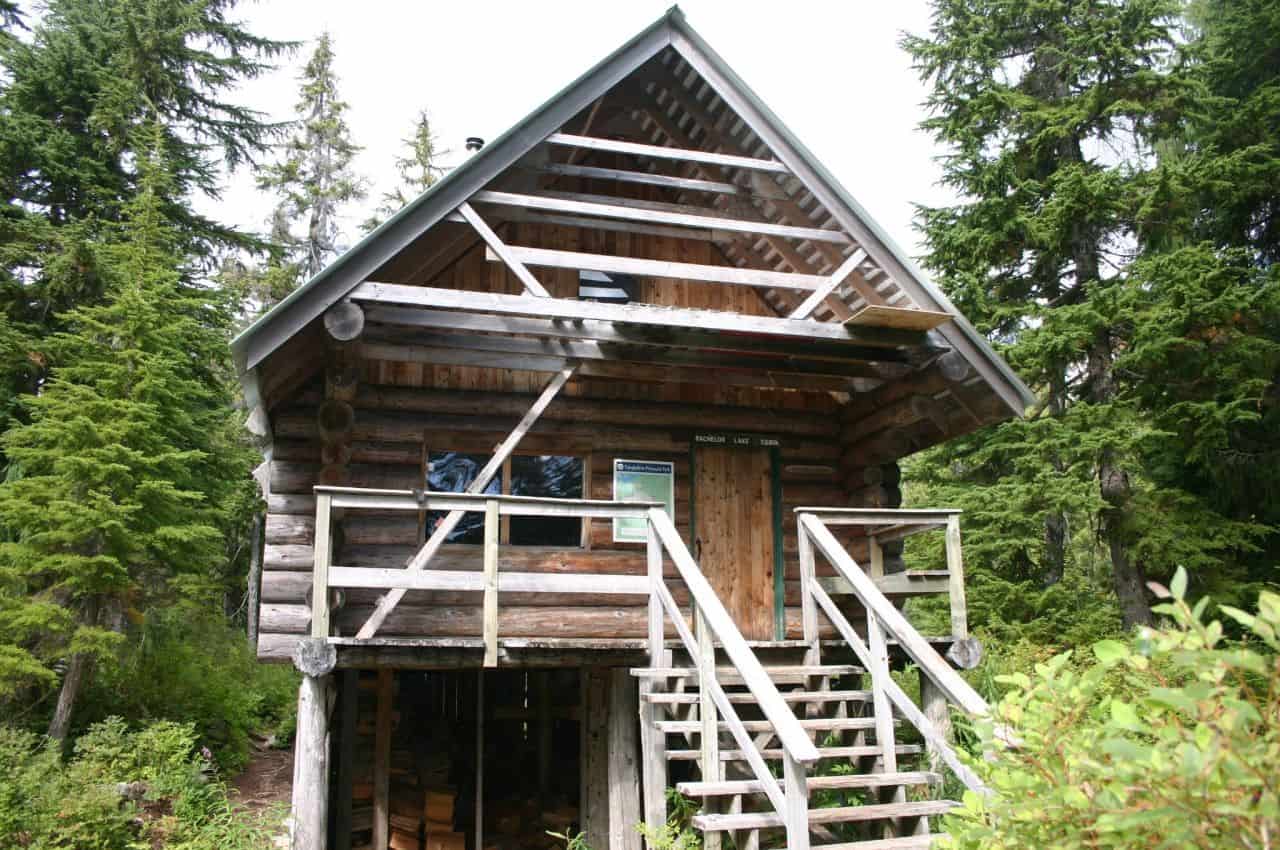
736	441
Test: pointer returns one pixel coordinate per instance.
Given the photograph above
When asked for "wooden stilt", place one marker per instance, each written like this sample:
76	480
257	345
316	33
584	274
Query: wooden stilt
348	692
382	761
311	765
479	759
595	756
624	778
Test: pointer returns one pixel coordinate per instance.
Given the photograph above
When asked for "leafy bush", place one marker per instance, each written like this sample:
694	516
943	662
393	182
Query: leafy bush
1168	740
121	790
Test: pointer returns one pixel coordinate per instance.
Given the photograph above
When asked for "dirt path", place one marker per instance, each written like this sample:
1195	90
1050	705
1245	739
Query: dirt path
266	781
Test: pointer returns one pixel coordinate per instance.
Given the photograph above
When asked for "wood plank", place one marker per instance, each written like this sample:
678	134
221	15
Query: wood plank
491	527
848	267
323	549
382	759
837	782
666	269
674	318
497	246
955	577
624	778
659	152
622	208
477	486
840	814
605	585
645	178
884	316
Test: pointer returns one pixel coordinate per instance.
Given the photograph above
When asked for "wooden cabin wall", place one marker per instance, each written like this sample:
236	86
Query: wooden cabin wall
405	410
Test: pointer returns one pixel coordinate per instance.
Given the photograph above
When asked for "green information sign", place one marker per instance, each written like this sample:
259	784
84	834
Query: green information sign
641	481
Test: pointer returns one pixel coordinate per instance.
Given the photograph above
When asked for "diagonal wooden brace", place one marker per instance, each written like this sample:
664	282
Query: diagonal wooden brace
450	521
500	248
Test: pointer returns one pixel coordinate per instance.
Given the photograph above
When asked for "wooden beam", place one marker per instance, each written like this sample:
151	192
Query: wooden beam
629	210
491	526
498	247
644	177
659	152
382	760
611	332
673	318
477	486
588	223
665	268
833	282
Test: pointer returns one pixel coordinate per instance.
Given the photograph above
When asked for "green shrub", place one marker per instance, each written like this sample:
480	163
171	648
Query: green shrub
120	790
1168	740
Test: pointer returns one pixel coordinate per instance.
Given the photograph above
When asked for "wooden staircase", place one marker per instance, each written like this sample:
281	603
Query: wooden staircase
868	807
787	752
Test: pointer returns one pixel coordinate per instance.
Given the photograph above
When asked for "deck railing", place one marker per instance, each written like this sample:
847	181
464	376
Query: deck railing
885	621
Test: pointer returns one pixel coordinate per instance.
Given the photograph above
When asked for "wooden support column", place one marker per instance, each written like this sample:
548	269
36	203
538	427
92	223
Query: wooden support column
936	708
594	769
624	763
309	825
382	760
348	703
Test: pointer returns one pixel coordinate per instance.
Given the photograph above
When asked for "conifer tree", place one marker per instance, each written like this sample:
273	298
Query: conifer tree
419	168
123	473
314	179
1028	97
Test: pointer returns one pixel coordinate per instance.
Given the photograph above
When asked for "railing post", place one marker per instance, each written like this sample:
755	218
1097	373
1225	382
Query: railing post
322	547
796	790
955	580
879	650
653	742
709	737
491	526
808	609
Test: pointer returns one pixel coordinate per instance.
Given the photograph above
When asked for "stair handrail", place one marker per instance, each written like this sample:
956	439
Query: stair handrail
713	620
886	615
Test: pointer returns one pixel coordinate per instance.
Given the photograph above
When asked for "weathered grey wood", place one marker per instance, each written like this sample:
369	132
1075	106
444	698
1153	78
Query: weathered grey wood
824	724
644	177
953	366
906	411
323	549
254	581
808	610
335	420
667	269
348	706
790	733
955	567
382	759
836	782
965	653
370	498
611	332
658	152
623	208
765	820
344	321
796	816
912	642
497	246
310	821
624	778
603	585
709	738
491	526
314	656
478	485
934	706
678	318
594	795
848	267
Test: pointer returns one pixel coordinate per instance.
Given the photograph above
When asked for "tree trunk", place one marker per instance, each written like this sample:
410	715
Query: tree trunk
79	670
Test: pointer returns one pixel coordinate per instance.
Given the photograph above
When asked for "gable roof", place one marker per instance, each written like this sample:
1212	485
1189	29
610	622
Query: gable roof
672	31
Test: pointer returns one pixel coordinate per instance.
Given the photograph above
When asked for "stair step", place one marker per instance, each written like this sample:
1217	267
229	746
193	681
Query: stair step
781	674
841	814
734	787
907	842
788	696
823	752
828	724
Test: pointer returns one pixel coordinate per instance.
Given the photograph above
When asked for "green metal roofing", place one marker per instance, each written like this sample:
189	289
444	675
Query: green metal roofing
671	30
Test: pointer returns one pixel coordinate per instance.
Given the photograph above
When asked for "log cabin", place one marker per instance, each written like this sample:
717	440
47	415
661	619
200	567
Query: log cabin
582	482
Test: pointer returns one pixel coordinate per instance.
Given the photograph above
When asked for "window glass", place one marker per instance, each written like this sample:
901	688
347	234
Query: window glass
551	476
453	472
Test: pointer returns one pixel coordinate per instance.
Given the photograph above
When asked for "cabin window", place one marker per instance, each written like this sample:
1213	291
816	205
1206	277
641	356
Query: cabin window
607	288
550	476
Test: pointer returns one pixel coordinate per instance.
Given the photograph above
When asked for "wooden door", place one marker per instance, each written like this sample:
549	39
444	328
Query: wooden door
733	535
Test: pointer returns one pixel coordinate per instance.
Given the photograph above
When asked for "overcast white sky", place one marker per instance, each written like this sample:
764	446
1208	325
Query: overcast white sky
833	71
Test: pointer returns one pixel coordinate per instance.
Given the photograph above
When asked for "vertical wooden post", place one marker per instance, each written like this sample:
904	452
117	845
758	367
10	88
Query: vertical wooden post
955	580
808	608
795	788
624	781
594	798
653	743
542	696
311	765
382	760
491	583
323	554
878	647
937	709
348	693
254	585
709	736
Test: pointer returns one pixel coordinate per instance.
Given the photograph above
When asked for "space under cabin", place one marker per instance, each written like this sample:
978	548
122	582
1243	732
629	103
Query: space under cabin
582	483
